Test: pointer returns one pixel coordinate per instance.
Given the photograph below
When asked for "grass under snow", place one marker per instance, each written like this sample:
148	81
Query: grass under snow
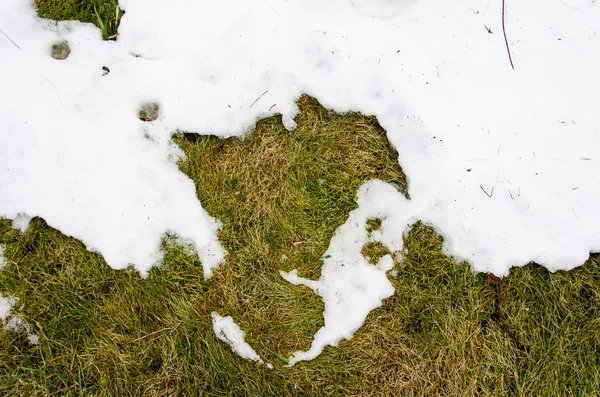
446	330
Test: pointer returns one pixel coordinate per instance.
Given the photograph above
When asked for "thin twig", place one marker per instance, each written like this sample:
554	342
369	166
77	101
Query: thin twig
486	193
11	40
505	39
263	94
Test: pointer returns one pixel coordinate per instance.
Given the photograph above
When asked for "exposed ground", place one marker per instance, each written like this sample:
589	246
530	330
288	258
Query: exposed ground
446	331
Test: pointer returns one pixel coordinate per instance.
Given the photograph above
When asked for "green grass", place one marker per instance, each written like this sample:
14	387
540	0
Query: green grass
105	14
445	331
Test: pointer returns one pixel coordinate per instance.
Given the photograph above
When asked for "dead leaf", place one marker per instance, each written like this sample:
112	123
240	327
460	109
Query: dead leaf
297	244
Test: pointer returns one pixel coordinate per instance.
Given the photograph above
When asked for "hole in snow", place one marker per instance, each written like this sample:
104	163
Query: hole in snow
60	50
149	111
191	136
373	224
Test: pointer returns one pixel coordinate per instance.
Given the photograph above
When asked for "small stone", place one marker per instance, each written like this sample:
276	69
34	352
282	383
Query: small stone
60	50
149	111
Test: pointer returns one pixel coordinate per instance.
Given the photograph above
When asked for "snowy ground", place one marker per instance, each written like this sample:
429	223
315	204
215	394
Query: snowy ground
502	161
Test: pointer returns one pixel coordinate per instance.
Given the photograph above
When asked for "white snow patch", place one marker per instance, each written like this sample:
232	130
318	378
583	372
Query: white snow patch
229	332
17	325
21	222
350	286
73	151
6	305
33	339
14	323
2	258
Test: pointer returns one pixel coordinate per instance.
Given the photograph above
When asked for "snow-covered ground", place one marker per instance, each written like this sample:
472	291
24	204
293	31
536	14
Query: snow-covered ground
503	162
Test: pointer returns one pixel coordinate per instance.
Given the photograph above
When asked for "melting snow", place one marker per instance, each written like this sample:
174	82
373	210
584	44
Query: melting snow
6	305
17	325
13	323
2	258
21	222
350	286
229	332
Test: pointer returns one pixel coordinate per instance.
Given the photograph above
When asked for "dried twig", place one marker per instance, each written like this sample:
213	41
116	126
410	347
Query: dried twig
505	39
486	193
11	40
261	95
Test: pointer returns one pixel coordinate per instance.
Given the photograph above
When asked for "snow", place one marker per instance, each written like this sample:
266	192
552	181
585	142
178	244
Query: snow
21	222
73	151
350	286
2	258
33	339
17	325
6	305
502	162
229	332
14	323
438	82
